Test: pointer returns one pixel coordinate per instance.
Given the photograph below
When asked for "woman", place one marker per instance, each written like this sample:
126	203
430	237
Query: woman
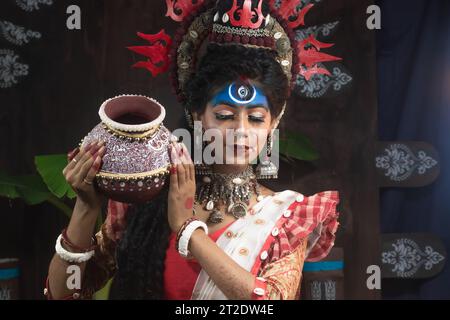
217	234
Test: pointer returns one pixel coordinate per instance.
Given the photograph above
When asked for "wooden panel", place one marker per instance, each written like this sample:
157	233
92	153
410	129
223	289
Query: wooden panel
324	280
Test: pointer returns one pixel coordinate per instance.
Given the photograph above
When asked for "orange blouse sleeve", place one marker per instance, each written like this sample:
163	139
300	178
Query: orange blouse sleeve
102	267
306	232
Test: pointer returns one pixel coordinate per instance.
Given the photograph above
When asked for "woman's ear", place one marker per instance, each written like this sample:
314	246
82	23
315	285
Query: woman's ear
274	123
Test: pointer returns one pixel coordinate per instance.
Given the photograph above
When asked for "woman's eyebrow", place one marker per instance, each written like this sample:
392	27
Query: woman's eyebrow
235	106
254	106
227	103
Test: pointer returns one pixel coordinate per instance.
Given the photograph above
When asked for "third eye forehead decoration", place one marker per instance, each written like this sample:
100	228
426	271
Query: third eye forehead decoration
242	93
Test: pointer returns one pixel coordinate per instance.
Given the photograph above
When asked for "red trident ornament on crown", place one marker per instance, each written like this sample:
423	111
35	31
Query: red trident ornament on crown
246	15
180	9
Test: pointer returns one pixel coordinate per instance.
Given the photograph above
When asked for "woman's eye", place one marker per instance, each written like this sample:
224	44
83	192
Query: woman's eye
220	116
256	118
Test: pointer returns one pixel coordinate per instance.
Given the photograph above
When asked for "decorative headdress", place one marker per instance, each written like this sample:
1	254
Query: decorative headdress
269	24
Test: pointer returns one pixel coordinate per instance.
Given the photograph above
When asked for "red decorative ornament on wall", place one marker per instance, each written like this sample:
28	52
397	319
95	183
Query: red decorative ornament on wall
157	52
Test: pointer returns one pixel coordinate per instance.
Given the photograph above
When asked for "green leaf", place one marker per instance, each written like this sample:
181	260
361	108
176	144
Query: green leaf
50	168
103	294
8	186
298	146
71	194
286	159
32	189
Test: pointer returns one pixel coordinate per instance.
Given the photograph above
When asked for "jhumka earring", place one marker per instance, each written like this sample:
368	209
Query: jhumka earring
266	169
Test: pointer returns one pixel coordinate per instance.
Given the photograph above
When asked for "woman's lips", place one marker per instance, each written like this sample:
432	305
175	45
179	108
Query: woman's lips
240	148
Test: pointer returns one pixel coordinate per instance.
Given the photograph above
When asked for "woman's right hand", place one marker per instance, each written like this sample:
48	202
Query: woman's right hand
80	173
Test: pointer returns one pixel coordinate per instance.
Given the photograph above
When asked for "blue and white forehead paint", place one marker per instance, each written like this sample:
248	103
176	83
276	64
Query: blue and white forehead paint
241	94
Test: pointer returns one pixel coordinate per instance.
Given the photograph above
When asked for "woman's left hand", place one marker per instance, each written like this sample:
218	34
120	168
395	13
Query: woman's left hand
182	187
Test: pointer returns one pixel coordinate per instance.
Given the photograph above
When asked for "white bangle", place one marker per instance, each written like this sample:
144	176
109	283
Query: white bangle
71	256
183	243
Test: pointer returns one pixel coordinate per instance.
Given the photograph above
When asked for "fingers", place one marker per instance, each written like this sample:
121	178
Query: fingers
72	154
182	161
187	163
77	170
173	168
181	171
87	161
74	158
95	167
79	155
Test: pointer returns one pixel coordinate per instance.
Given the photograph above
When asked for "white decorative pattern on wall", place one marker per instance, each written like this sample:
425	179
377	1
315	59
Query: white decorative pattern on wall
11	68
32	5
406	257
17	35
399	162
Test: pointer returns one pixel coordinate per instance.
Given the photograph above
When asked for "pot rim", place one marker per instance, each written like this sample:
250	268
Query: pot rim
132	127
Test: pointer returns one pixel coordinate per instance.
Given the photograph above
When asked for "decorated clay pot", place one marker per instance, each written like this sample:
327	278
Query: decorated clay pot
136	162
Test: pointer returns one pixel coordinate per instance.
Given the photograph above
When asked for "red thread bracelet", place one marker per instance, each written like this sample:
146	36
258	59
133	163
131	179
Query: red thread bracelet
180	232
73	246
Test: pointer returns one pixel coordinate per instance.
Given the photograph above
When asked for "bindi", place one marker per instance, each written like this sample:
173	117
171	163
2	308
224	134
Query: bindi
189	203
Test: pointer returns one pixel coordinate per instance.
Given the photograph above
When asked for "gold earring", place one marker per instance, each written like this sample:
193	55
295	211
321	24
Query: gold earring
266	169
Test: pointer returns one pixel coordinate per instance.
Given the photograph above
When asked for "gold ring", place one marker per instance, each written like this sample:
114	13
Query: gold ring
88	182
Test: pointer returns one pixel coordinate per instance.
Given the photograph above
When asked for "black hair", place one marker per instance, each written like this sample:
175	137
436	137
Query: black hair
141	252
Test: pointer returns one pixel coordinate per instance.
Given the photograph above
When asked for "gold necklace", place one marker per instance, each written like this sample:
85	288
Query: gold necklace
233	190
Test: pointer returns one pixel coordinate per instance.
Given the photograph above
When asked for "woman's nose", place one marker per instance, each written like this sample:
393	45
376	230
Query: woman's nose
241	129
242	122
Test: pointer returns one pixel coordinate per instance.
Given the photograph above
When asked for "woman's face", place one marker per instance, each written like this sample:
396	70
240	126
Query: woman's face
240	113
